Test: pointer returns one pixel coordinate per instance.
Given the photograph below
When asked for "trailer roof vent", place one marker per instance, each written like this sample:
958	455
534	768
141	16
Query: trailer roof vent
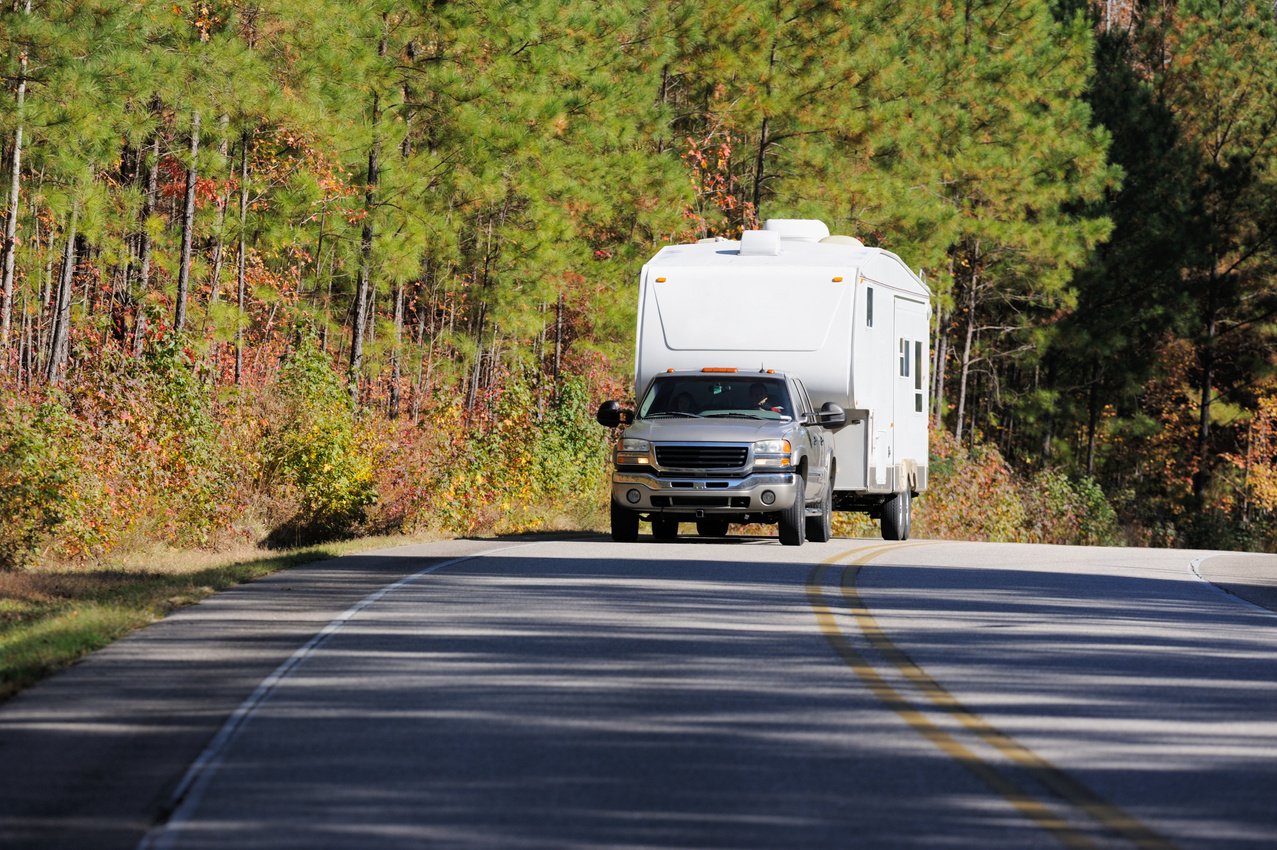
800	229
842	240
759	243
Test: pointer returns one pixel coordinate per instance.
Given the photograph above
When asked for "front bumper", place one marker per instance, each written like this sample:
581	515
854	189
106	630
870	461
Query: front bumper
704	496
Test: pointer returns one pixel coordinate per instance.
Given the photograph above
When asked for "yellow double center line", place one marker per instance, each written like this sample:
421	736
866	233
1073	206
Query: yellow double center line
1065	787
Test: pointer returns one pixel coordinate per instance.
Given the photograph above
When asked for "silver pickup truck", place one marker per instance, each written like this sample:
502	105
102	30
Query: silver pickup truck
720	446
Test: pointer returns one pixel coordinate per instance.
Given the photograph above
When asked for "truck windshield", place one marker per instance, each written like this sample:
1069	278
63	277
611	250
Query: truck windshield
746	396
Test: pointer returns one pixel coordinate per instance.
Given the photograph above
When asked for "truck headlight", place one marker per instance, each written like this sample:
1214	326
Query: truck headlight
772	453
633	452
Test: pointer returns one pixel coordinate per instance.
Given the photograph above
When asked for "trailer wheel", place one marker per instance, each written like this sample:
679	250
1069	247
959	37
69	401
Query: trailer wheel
664	528
711	527
897	514
821	528
793	521
624	524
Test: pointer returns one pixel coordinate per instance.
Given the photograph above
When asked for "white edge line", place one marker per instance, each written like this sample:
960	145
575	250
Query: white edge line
186	797
1194	567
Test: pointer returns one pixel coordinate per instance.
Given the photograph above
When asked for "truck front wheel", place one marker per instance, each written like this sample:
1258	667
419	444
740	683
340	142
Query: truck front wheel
624	524
793	522
821	528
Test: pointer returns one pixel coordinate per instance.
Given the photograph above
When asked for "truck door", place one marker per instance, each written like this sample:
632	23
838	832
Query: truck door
909	409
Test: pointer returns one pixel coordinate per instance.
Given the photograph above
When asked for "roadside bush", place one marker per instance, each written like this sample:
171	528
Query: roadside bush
571	447
971	495
1061	510
150	457
187	431
521	461
37	474
317	451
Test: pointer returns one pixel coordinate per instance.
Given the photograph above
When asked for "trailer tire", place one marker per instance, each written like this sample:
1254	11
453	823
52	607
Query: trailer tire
897	515
821	528
625	524
711	527
664	528
793	521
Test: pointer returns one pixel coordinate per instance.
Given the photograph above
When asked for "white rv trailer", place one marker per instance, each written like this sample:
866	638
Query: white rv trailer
853	322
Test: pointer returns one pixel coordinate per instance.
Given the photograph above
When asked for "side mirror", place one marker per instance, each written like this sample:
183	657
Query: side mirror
610	415
832	416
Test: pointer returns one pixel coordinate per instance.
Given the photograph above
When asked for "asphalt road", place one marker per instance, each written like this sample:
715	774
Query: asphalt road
579	693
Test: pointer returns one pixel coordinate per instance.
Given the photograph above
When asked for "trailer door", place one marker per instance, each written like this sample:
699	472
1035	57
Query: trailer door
909	410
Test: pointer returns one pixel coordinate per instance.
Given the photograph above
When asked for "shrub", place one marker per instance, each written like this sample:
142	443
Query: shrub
1061	510
971	494
317	450
37	474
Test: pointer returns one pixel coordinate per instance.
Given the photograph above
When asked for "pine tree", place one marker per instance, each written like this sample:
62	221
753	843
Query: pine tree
1221	82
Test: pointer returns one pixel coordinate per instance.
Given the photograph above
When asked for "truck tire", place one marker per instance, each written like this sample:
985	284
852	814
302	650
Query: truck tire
793	522
624	524
897	514
711	527
821	528
664	528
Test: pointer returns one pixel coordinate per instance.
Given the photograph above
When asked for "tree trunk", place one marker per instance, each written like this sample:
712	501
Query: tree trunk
558	344
966	363
214	278
188	227
763	141
46	296
395	354
365	259
663	144
59	345
24	345
360	317
476	372
423	302
145	247
240	287
1093	417
15	186
405	147
937	373
1201	478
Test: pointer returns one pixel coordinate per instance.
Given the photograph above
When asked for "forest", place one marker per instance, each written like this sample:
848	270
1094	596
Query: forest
285	272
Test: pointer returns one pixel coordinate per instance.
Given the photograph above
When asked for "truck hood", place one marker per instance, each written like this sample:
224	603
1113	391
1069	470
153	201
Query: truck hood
707	430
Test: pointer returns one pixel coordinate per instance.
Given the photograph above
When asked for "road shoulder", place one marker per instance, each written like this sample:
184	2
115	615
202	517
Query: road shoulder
1247	576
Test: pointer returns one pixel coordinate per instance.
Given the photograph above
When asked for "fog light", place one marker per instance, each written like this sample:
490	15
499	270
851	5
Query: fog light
633	497
768	497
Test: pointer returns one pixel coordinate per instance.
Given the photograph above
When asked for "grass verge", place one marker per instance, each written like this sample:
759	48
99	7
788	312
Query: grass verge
51	617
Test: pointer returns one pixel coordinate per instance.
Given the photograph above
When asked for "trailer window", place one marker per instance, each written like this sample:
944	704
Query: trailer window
917	376
904	357
869	306
917	359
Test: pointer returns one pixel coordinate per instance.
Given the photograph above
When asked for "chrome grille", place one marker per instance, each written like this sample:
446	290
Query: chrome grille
700	456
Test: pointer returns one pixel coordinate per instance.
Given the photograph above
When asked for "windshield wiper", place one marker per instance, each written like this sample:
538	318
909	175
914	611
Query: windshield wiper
672	413
741	415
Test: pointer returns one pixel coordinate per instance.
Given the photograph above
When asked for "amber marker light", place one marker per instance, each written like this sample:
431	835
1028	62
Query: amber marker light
660	280
838	279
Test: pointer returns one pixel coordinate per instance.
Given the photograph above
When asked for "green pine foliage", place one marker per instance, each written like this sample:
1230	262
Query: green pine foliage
462	194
